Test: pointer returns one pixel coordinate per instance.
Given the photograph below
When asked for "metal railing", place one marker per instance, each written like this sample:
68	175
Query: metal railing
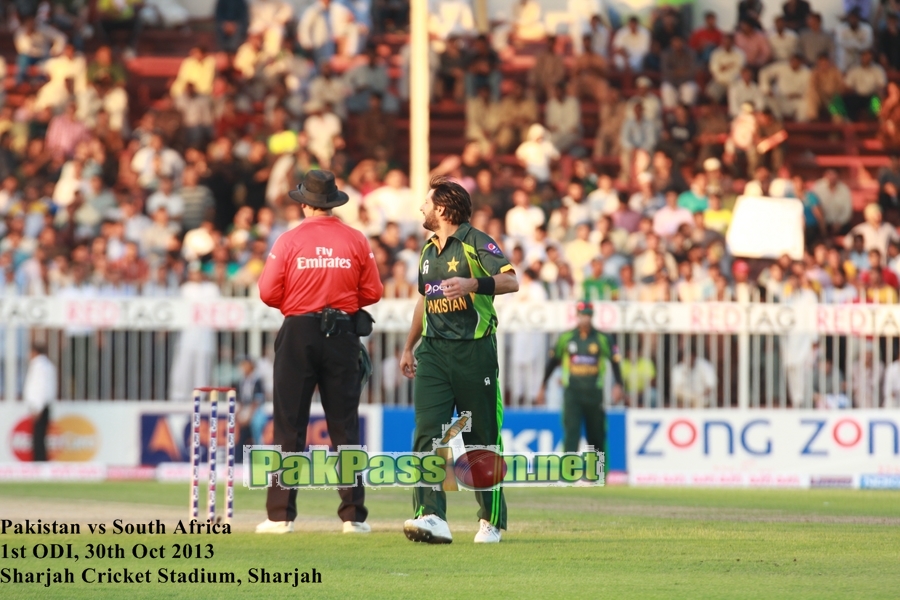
717	355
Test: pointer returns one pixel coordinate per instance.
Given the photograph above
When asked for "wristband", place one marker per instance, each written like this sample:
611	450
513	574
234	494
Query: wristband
486	286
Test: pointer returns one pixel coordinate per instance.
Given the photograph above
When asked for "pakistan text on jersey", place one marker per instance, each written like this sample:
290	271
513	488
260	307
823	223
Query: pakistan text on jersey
322	262
443	305
584	370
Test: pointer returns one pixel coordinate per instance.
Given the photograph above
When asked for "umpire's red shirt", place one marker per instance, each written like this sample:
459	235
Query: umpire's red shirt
320	263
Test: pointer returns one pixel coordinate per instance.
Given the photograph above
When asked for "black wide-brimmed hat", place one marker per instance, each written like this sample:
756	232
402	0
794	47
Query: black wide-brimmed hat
319	190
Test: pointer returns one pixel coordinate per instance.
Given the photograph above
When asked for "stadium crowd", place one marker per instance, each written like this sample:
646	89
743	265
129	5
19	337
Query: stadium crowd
101	194
91	197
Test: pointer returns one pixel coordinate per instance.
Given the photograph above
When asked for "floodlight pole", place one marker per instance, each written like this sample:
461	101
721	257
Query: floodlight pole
419	100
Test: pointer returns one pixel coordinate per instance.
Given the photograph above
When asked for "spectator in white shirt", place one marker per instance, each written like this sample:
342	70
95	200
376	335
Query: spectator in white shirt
528	23
249	59
396	202
523	218
574	201
136	223
865	379
892	385
199	243
688	288
39	393
648	262
268	19
159	237
653	107
34	44
199	69
562	116
600	37
71	180
166	197
450	18
836	200
876	234
785	85
743	91
192	363
155	161
326	28
603	201
581	14
630	45
694	381
67	66
323	129
536	153
528	348
580	251
725	64
637	140
783	41
864	81
853	36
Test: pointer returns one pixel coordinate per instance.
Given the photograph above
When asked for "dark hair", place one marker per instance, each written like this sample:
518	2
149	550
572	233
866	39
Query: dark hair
454	198
39	348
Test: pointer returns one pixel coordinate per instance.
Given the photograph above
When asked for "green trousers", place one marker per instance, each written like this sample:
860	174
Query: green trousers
460	375
583	406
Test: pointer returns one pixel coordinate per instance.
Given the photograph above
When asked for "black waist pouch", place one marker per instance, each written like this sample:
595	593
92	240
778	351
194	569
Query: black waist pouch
363	322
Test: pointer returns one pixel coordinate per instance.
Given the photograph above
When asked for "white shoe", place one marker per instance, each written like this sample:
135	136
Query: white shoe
487	534
356	527
268	526
429	529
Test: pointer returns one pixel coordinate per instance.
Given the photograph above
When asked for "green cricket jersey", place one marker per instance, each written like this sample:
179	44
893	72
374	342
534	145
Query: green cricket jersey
468	253
582	358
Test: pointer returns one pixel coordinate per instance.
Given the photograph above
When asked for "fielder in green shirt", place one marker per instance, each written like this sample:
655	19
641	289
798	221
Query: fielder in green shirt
455	367
582	353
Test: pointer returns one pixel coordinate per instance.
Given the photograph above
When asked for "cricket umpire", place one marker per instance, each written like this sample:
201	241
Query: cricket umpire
461	269
583	353
320	275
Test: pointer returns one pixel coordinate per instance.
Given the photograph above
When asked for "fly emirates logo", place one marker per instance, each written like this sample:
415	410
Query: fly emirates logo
323	260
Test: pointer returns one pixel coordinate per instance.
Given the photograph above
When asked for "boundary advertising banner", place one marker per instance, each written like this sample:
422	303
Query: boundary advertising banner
764	448
79	432
165	430
523	431
129	435
246	314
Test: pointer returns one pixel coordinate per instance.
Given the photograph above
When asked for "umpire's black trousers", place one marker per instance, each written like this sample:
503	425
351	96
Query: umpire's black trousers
304	359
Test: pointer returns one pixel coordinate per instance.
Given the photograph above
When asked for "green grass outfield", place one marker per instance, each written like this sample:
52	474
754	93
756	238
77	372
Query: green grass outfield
613	542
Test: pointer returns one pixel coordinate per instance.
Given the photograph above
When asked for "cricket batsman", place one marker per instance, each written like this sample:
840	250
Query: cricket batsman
461	269
583	353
